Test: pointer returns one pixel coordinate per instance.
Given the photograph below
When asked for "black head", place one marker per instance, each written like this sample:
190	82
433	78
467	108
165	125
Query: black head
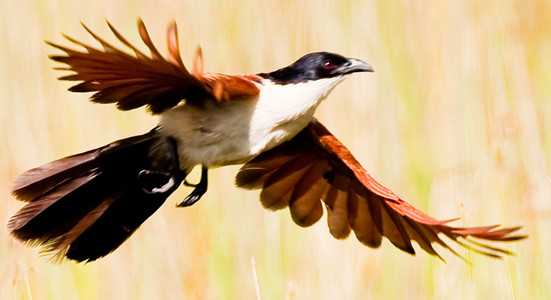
317	65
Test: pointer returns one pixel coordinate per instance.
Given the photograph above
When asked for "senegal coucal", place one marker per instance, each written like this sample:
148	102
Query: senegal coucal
84	206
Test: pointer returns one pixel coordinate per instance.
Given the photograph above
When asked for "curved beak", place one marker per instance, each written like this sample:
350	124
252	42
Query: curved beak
354	65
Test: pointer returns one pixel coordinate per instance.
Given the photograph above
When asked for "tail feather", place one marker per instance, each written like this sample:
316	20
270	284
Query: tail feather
86	205
119	220
38	181
35	182
49	215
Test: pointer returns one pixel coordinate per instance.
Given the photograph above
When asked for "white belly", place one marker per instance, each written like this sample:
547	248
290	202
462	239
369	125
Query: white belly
214	135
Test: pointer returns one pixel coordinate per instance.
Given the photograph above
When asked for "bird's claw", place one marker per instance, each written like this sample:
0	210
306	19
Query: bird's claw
157	182
187	183
199	189
193	197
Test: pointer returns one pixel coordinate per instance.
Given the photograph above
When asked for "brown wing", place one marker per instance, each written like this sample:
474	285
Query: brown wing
135	81
315	166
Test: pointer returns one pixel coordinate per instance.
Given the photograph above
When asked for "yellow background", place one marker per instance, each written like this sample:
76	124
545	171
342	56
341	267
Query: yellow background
456	119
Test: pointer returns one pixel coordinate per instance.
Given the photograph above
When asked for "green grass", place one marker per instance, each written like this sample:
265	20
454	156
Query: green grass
456	120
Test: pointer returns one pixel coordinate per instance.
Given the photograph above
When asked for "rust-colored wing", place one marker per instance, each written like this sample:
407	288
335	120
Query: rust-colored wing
315	166
134	81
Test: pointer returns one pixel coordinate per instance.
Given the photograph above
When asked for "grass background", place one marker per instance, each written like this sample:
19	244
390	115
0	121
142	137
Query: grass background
456	119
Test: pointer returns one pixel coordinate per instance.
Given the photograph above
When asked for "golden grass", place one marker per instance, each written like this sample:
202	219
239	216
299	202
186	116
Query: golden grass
456	119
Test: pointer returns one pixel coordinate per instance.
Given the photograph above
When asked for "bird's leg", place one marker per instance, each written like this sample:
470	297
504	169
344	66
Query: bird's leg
173	149
199	191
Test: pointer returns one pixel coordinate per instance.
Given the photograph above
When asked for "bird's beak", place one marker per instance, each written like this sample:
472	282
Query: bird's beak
354	65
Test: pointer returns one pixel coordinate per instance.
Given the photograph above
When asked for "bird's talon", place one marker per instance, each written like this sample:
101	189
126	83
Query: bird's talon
186	183
199	190
192	198
156	182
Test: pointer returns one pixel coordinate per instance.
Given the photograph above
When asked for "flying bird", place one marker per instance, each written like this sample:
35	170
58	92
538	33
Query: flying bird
84	206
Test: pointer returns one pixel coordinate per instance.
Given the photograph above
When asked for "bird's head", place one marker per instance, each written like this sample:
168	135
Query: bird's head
316	66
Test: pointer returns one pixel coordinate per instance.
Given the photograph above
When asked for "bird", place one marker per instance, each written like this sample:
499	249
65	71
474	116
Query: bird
84	206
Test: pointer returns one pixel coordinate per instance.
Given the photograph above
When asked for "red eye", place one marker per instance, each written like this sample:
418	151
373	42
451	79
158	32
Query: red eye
328	65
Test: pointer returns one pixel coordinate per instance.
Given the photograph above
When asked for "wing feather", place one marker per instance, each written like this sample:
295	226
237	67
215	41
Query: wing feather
125	42
362	221
254	176
144	35
115	76
337	213
322	168
394	230
305	199
278	189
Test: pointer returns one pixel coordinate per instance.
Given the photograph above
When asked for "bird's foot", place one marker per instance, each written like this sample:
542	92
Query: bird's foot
163	181
187	183
193	197
199	189
156	182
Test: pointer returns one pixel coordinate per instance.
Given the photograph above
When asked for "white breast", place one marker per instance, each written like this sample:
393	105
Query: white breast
284	110
236	131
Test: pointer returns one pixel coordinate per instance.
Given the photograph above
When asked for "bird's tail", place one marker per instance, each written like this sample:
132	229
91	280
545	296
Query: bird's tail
86	205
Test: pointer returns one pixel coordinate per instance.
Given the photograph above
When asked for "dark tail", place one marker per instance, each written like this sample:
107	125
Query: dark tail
86	205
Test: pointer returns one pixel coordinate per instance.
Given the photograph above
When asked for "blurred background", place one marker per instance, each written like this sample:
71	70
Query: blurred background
456	119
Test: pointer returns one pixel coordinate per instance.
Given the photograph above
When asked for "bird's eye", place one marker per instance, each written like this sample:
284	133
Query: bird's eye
328	64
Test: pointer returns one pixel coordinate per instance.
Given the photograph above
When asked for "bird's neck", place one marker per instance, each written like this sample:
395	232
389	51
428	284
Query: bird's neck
282	111
283	103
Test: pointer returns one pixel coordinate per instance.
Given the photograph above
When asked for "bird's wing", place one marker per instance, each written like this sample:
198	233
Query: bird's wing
314	168
157	82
